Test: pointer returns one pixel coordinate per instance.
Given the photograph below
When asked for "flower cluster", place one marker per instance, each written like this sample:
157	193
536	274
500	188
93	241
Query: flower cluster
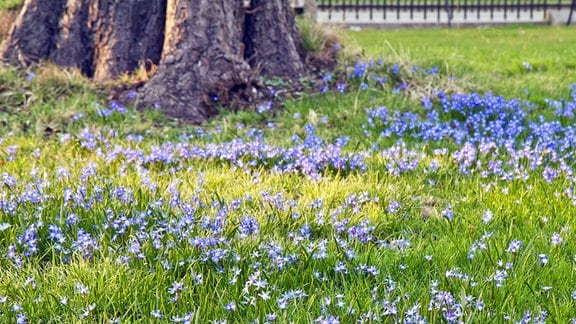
164	211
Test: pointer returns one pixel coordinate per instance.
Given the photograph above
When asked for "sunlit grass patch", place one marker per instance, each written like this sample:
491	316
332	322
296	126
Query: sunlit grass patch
10	4
491	58
6	19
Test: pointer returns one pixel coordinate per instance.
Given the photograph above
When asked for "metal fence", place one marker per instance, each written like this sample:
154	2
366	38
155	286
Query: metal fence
445	11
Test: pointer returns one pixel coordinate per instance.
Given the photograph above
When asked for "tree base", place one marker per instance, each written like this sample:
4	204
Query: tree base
209	53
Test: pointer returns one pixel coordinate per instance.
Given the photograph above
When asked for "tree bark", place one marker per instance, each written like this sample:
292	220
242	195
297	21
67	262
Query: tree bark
101	38
127	34
33	35
75	46
210	52
106	38
203	59
273	40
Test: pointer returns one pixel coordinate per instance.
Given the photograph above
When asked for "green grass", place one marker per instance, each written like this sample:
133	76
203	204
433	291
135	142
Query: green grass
491	59
10	4
63	164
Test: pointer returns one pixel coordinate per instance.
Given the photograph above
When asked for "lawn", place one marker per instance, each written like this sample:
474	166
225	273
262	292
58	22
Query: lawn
492	59
10	4
433	183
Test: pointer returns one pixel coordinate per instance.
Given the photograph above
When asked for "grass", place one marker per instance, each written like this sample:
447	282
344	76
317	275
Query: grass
131	217
10	4
6	19
491	59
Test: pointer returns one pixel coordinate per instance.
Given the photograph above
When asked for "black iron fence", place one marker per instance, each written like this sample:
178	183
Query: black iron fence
447	11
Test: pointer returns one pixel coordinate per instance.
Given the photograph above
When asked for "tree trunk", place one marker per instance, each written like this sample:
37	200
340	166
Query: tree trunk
101	38
106	38
127	34
272	39
210	52
203	59
34	34
75	46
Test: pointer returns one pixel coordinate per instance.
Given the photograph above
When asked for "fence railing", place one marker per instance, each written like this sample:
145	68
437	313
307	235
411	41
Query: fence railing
444	11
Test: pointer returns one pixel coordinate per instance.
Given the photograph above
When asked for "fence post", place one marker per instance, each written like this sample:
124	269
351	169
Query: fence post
311	10
449	12
572	8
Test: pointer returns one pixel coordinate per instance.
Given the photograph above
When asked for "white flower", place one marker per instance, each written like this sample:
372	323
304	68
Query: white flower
543	259
487	217
556	239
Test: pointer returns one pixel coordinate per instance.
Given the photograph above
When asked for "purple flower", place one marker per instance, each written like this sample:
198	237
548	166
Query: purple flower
448	213
543	259
341	268
487	216
85	245
393	207
82	289
556	239
248	226
156	314
30	76
176	290
499	277
21	318
230	306
265	107
549	174
514	246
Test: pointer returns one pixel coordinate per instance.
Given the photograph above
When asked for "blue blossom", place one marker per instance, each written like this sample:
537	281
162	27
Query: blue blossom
341	268
556	239
104	112
549	174
29	240
448	213
499	277
264	108
30	76
85	245
77	116
55	234
248	226
327	319
543	259
81	289
230	307
393	207
487	216
514	246
176	290
21	318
